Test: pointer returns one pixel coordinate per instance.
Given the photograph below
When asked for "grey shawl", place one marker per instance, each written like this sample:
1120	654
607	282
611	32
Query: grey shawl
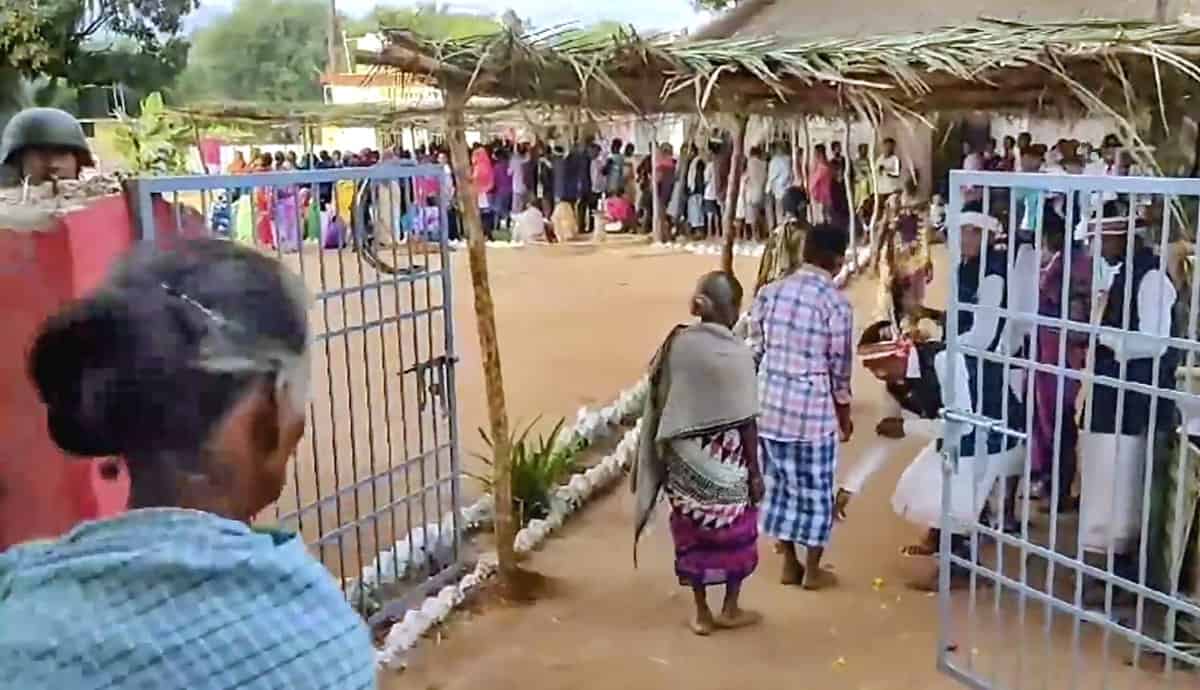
701	379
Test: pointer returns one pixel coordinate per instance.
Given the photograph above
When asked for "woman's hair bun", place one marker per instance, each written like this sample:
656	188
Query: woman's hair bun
75	364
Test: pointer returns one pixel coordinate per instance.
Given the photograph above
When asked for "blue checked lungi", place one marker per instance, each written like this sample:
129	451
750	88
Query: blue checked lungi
799	489
170	598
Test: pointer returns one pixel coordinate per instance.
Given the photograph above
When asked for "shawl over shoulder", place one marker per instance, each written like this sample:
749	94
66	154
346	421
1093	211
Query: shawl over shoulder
701	379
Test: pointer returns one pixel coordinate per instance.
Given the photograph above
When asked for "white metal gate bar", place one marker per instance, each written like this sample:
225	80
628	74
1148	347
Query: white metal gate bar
1085	600
375	488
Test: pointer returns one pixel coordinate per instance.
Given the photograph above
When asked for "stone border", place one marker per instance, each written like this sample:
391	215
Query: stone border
591	425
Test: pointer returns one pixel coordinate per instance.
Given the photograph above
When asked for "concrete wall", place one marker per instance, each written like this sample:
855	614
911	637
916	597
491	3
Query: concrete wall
44	492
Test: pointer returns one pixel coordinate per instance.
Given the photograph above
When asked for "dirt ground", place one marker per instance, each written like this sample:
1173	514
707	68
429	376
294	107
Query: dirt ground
577	324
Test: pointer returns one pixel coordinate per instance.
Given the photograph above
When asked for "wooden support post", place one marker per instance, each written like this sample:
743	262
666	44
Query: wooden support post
733	188
485	316
679	189
656	214
806	165
848	190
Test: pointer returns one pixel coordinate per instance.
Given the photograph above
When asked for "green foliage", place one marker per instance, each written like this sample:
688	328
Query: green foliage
154	142
715	5
265	50
428	21
76	43
538	467
53	37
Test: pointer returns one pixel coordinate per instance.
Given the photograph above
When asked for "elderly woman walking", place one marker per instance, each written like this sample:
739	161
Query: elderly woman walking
191	365
699	445
800	332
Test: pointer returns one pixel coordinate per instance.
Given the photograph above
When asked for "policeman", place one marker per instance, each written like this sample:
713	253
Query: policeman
44	144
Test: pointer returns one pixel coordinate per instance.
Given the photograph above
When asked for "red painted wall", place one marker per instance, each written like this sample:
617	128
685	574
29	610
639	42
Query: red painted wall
44	492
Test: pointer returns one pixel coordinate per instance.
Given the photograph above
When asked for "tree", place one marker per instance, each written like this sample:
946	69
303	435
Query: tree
265	50
428	20
53	38
62	45
715	5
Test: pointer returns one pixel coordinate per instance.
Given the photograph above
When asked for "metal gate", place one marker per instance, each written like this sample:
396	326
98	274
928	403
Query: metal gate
374	487
1036	593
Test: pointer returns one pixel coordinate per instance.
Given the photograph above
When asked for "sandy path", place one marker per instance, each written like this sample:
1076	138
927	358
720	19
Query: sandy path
606	625
576	323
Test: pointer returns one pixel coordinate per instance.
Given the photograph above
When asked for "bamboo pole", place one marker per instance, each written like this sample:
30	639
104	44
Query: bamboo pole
806	166
485	316
679	189
656	219
733	187
848	190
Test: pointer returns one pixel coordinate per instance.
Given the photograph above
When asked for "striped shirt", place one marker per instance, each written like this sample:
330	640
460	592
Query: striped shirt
801	334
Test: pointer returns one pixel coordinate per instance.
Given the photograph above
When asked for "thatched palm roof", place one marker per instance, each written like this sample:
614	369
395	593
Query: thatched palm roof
814	18
1101	65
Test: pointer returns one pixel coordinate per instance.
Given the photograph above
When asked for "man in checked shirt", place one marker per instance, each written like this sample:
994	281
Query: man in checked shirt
801	334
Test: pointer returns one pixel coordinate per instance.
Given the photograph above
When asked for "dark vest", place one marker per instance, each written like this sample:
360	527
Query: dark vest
1136	419
923	396
988	385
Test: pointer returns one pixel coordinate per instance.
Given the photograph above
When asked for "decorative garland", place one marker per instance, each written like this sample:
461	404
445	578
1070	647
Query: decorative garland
494	244
411	551
713	249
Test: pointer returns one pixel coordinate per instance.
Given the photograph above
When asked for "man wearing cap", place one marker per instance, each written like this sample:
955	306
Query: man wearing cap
41	144
918	377
1134	294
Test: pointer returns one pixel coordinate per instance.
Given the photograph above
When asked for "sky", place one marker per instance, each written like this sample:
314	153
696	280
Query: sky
643	14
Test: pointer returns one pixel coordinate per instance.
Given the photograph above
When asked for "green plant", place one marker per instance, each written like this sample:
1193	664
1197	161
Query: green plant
538	467
154	142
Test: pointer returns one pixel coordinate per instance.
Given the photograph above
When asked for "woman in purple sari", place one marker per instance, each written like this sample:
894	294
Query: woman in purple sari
287	225
1047	400
699	446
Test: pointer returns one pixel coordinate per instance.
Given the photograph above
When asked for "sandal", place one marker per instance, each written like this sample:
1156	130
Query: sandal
918	551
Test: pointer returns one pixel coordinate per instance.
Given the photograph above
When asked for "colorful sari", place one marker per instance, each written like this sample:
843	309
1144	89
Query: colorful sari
287	219
713	525
264	203
703	393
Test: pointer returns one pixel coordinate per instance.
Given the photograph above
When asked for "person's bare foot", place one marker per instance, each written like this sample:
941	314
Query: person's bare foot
840	502
702	624
890	427
793	572
820	578
738	618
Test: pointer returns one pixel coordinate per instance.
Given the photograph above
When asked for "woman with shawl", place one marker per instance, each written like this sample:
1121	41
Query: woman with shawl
699	445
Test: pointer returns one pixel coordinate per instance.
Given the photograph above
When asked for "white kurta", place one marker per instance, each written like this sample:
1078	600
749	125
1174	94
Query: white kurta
918	494
1112	466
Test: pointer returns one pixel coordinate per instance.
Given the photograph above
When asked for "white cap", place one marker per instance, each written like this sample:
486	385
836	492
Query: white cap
1109	225
979	220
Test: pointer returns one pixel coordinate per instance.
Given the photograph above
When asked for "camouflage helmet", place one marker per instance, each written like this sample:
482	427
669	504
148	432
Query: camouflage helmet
43	127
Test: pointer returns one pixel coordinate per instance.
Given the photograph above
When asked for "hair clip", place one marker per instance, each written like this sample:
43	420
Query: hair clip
187	299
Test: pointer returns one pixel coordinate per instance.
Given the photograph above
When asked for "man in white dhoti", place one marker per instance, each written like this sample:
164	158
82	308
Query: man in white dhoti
1136	295
917	376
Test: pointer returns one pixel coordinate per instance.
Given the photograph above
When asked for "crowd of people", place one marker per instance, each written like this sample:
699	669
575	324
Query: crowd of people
333	212
732	463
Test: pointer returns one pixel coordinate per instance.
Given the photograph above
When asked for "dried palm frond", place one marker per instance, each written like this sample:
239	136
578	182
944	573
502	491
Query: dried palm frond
992	64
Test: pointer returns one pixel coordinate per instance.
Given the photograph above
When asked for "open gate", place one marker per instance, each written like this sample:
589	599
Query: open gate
374	487
1036	594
